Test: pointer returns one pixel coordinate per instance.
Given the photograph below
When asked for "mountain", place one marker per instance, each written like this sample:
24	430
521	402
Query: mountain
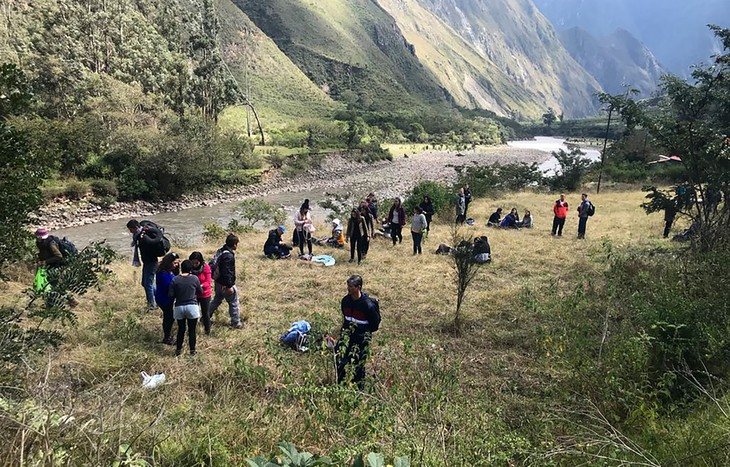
522	58
346	47
674	30
615	60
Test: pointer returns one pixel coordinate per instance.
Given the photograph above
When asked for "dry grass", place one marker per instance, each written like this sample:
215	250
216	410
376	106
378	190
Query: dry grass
250	406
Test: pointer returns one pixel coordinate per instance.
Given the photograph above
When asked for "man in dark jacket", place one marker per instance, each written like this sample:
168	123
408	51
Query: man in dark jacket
467	200
146	250
583	213
224	262
275	247
361	318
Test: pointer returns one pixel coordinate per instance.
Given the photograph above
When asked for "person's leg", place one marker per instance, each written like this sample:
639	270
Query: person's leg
300	241
556	222
417	240
148	282
167	322
582	227
192	334
359	249
561	224
353	245
205	313
233	308
400	234
428	223
309	243
218	297
668	226
394	232
180	336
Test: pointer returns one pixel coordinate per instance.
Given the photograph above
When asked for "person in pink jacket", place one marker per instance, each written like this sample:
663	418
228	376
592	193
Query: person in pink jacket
202	271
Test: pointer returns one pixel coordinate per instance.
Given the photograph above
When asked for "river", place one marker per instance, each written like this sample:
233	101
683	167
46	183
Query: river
185	227
551	144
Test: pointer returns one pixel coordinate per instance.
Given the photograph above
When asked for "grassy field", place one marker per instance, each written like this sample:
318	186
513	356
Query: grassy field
477	397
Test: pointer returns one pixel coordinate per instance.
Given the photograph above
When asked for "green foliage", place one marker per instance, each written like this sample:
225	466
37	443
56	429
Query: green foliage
104	188
21	172
255	211
76	189
439	193
572	168
549	117
213	232
496	179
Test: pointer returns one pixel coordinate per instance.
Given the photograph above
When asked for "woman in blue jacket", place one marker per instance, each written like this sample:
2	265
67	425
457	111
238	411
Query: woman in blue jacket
166	271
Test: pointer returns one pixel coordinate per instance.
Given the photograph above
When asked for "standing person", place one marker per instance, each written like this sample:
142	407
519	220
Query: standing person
201	270
427	208
357	232
166	272
303	228
467	199
225	283
361	317
584	211
183	290
670	212
372	201
370	223
51	257
460	207
146	238
397	219
418	225
560	210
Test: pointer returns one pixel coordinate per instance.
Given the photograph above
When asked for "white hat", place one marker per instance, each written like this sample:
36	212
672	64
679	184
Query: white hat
336	221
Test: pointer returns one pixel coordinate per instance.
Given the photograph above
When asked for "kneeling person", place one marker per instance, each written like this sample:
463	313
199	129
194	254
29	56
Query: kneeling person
275	247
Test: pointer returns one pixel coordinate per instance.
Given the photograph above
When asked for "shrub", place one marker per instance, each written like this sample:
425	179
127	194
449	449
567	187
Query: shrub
573	166
213	232
258	210
104	188
440	195
275	159
76	189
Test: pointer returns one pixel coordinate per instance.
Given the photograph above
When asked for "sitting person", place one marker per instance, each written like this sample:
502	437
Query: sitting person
495	218
526	221
337	239
482	250
383	230
510	220
275	247
443	249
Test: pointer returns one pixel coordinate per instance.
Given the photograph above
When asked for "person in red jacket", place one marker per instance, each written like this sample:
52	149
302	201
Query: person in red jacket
560	209
201	270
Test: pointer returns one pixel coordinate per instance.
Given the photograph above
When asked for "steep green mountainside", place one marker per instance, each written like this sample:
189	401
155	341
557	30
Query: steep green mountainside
350	48
276	86
674	30
616	60
521	42
473	79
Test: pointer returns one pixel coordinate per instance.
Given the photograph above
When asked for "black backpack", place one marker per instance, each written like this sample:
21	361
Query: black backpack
591	209
154	238
65	245
375	320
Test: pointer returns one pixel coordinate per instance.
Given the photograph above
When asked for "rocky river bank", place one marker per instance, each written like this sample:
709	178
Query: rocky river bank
386	178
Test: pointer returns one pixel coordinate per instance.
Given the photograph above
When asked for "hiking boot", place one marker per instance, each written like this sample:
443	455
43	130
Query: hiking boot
352	260
238	325
178	352
192	353
168	341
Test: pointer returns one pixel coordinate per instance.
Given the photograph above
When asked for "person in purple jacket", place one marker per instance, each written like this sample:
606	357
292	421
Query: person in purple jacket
166	271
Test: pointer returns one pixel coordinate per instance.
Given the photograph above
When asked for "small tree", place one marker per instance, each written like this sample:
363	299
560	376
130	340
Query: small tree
254	211
573	166
465	269
549	117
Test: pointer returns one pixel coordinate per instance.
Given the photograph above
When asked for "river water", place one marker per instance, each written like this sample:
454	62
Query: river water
185	227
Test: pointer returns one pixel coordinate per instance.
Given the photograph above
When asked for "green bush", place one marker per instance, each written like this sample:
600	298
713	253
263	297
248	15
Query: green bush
104	188
76	189
441	196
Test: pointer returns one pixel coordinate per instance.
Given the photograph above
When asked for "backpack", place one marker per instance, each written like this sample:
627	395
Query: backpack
591	209
215	271
65	245
154	238
375	321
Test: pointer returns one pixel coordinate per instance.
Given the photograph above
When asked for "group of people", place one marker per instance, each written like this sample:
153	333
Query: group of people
358	232
560	213
186	291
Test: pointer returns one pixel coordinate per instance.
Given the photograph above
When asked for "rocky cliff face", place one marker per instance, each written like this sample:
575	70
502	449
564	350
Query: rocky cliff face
674	30
616	60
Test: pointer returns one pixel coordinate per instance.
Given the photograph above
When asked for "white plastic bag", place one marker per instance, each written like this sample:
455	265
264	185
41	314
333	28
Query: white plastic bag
151	382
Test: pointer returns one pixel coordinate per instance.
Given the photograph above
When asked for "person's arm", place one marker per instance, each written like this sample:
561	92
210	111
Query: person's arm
171	289
227	266
298	220
198	287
